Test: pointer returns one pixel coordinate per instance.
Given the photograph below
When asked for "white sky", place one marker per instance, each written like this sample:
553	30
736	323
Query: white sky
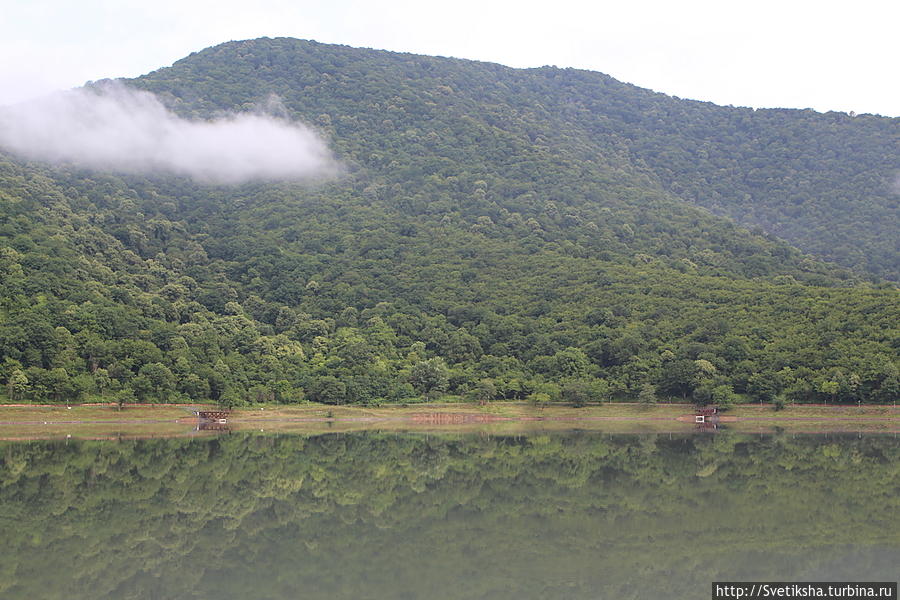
767	53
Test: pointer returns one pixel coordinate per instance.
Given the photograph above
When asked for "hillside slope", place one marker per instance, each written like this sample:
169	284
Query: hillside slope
478	244
826	183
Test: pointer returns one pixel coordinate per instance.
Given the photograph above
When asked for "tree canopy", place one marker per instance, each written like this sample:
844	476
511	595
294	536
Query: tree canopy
495	234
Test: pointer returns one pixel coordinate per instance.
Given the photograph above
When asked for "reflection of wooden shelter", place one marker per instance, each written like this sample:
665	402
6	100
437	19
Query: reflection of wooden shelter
213	416
453	418
212	426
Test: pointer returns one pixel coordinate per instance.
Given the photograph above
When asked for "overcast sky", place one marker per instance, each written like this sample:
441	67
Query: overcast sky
766	53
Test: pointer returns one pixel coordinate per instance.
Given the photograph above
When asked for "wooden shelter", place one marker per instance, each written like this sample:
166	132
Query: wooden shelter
213	416
705	414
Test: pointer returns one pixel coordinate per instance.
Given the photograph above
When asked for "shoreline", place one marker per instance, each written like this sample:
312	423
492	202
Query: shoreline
106	421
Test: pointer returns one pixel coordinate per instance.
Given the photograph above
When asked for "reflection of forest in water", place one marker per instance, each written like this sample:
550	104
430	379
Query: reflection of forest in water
374	515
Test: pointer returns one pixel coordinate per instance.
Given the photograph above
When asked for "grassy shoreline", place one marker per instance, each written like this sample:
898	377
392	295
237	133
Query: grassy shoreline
103	421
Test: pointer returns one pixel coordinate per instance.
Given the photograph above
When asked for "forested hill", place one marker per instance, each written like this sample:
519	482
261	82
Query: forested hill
494	235
827	183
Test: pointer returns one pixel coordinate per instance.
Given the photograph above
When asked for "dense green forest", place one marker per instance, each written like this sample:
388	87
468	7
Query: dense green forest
410	516
495	234
827	183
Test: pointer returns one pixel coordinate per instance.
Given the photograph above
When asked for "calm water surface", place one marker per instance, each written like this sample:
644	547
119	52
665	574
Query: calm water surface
374	515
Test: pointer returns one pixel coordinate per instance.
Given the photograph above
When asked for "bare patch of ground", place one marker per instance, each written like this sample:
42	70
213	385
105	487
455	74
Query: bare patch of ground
108	421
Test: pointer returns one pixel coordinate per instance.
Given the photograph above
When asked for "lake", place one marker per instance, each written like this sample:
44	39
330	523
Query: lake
378	515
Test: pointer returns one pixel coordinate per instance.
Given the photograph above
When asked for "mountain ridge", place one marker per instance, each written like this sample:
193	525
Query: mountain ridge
631	120
489	239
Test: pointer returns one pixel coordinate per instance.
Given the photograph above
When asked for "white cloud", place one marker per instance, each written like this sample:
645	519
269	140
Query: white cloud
113	127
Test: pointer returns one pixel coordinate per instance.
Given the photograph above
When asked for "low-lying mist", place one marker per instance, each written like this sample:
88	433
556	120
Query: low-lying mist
113	127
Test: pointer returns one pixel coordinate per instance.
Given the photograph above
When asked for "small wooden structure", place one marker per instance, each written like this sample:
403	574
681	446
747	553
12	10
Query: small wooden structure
213	416
705	414
707	418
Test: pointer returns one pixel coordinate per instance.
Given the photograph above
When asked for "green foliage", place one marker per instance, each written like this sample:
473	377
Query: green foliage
430	376
723	396
483	392
825	182
577	393
647	395
541	399
328	390
523	228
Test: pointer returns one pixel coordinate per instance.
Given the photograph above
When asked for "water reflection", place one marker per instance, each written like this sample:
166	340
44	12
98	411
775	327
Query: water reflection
213	426
371	515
